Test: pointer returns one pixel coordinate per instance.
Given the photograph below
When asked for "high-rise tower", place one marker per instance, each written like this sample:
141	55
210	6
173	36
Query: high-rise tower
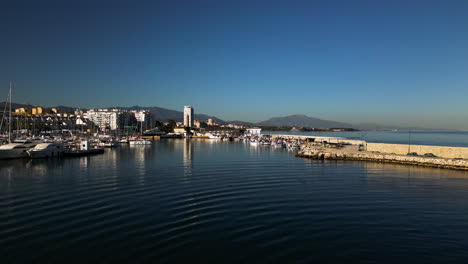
188	116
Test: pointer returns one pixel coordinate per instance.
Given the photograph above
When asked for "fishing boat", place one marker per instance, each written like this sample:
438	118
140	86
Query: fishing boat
84	149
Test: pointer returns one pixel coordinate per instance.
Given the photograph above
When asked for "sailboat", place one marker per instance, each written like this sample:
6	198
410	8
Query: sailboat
14	150
138	140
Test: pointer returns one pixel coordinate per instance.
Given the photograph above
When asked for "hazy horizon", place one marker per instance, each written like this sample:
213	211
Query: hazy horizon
395	63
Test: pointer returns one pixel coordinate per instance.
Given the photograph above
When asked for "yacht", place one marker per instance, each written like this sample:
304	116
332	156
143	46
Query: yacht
15	150
46	150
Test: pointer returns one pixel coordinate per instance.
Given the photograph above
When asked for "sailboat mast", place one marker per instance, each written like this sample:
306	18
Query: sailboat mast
9	122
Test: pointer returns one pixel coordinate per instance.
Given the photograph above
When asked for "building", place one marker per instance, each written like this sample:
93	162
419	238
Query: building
53	111
253	131
197	123
210	122
188	116
105	119
179	130
36	110
78	112
140	116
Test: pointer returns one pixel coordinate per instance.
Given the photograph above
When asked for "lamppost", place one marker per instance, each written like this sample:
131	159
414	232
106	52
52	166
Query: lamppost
409	141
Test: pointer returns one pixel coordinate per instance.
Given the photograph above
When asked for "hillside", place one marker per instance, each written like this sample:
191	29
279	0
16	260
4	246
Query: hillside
303	121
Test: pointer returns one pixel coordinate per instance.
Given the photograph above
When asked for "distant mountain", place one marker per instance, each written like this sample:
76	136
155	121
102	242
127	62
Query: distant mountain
241	123
14	106
60	108
303	121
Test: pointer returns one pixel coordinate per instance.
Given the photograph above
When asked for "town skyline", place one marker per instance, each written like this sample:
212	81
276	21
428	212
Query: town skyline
395	63
295	120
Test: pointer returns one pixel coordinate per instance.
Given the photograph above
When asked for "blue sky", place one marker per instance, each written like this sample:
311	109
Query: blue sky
387	62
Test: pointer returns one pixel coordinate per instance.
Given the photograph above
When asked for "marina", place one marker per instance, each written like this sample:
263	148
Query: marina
234	132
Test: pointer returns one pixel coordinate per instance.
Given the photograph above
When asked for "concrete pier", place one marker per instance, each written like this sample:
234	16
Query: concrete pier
329	154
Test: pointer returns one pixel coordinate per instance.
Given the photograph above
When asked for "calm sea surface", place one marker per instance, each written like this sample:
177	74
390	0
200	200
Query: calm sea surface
196	201
435	138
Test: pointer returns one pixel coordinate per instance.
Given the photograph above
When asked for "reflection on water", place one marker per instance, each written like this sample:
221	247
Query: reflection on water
187	158
188	154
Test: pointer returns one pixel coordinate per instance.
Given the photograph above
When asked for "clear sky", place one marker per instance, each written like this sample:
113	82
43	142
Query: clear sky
386	62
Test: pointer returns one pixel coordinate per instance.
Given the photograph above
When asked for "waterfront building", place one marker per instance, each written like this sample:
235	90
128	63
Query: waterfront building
197	123
53	111
105	119
188	116
253	131
210	122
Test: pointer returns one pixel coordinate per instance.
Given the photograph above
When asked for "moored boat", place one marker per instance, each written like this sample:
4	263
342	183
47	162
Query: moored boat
139	141
15	150
46	150
84	149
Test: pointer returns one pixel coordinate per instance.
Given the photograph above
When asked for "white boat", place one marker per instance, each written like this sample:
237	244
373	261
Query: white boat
46	150
15	150
108	144
254	143
280	145
123	140
214	137
139	141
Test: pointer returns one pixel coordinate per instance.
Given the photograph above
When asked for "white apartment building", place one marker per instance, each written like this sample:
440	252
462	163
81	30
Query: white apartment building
140	115
105	119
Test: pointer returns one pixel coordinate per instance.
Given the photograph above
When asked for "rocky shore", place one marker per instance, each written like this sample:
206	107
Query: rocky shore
331	154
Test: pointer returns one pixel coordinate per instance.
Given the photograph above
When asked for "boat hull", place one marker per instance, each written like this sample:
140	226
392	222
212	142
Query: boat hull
13	153
80	153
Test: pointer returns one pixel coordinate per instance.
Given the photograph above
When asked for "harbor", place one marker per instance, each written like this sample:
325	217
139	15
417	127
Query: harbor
91	132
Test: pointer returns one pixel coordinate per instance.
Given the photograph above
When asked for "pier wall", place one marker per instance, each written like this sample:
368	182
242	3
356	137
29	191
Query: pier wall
402	149
386	158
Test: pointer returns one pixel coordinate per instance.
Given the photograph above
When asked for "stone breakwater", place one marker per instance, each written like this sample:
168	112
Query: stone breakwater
457	164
